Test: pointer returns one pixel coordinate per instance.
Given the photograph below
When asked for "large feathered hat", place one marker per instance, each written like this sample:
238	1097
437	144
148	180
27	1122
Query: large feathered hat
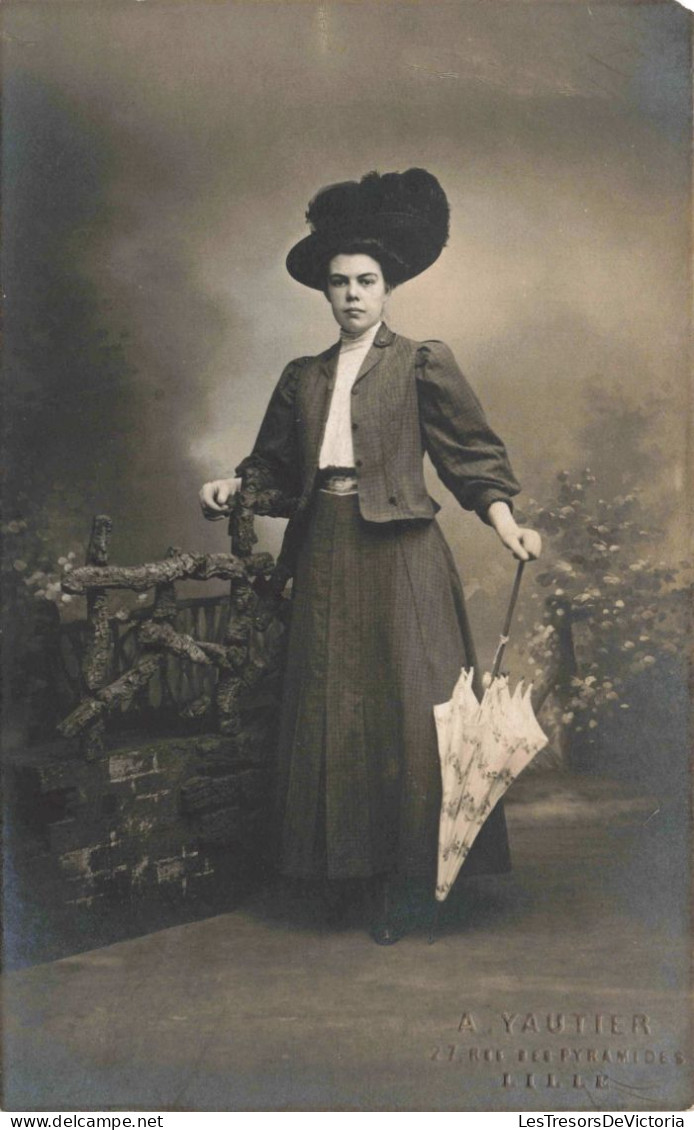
403	214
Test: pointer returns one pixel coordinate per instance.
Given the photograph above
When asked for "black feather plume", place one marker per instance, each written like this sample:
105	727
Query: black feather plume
415	193
333	205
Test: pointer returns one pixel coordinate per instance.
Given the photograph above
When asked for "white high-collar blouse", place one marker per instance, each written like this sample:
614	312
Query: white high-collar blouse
337	449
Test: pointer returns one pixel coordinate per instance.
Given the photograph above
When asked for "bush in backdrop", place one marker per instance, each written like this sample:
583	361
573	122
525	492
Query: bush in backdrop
615	608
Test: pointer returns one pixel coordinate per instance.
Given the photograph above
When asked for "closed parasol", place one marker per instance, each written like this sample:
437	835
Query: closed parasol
483	746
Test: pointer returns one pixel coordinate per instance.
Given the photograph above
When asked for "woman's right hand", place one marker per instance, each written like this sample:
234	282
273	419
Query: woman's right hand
216	496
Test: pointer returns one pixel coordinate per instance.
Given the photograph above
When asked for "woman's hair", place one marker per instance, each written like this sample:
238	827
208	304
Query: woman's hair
393	268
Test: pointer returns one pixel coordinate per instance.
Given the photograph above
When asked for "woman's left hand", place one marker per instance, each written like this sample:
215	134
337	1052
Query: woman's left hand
525	544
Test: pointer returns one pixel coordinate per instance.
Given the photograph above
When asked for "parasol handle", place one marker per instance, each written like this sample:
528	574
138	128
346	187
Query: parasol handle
503	640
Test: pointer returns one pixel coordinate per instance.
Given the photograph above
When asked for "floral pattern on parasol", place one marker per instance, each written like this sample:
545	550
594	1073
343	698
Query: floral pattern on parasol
483	746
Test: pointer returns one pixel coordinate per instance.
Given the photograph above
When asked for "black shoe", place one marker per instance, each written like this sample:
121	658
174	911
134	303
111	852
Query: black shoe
388	932
389	923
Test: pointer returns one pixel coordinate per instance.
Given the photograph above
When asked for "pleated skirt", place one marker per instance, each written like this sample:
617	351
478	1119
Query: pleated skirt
378	636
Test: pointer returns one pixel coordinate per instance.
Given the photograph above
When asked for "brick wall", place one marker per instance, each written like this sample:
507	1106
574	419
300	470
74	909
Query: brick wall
173	817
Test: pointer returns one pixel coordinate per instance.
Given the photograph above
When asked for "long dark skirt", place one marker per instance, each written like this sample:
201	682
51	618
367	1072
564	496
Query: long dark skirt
378	636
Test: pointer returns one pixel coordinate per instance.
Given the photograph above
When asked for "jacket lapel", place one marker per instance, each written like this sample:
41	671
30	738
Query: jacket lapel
328	361
319	391
382	340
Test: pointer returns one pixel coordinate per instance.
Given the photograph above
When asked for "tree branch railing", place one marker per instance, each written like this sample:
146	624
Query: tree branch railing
256	584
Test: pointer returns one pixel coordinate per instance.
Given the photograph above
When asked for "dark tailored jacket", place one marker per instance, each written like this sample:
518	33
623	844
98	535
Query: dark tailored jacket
408	397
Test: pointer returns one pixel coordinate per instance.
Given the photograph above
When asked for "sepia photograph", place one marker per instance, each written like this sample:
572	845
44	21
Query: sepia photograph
347	559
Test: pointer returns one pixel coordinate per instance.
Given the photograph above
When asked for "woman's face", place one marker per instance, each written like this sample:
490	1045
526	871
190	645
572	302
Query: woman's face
356	291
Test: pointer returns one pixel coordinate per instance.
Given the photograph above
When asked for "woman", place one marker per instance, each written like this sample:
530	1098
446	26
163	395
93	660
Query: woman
379	631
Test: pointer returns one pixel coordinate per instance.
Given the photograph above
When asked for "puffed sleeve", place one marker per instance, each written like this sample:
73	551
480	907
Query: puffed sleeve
469	457
274	461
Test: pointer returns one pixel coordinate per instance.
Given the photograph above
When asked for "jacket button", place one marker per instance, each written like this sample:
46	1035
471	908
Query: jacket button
357	462
355	391
354	427
393	500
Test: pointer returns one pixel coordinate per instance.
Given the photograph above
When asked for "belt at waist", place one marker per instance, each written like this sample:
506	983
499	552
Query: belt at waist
337	480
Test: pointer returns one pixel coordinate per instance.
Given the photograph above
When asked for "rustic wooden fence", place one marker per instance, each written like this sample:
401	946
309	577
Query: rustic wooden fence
178	682
196	657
